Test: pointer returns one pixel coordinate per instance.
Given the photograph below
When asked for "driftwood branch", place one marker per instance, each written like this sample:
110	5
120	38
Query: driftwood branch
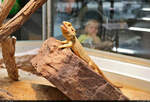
8	44
8	51
23	63
5	9
19	19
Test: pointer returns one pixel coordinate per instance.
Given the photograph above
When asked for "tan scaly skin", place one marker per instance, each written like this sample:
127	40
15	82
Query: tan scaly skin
71	41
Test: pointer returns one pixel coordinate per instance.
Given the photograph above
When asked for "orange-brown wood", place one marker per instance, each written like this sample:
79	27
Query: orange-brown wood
19	19
5	8
8	51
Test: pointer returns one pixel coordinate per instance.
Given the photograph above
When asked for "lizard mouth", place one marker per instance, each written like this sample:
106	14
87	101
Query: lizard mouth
64	27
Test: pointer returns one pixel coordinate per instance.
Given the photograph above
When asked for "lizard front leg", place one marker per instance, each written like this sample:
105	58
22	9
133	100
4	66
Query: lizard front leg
64	42
67	44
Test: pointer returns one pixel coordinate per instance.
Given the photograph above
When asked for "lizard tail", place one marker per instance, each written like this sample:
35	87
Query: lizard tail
96	69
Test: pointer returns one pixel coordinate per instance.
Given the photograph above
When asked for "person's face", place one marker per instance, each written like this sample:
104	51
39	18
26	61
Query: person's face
92	29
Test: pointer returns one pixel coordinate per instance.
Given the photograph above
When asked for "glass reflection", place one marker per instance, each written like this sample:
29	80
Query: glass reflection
125	23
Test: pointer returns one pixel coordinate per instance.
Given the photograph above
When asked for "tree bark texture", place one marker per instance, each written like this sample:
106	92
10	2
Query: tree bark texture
23	63
71	75
8	51
5	9
19	19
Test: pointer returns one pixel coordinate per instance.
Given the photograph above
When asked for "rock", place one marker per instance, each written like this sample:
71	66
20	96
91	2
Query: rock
71	75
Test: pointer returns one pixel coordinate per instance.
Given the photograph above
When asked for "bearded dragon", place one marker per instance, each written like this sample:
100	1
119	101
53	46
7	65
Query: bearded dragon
71	41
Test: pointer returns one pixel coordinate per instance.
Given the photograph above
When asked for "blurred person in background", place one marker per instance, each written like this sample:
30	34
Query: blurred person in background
64	10
91	39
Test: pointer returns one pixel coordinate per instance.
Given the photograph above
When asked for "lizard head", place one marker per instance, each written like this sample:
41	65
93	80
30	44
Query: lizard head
67	30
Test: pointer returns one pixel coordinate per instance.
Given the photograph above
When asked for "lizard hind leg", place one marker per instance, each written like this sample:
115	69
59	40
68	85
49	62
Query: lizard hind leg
90	64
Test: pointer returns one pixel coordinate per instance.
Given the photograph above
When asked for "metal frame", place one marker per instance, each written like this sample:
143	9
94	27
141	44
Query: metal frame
47	20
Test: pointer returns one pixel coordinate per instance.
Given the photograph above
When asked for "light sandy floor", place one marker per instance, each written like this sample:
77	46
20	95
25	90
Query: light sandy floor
30	87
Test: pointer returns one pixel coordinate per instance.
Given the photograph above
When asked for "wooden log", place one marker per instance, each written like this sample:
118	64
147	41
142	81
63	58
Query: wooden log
8	51
71	75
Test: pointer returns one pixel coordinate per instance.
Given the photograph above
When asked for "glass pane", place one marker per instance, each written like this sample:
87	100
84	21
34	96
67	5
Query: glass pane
32	28
121	26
